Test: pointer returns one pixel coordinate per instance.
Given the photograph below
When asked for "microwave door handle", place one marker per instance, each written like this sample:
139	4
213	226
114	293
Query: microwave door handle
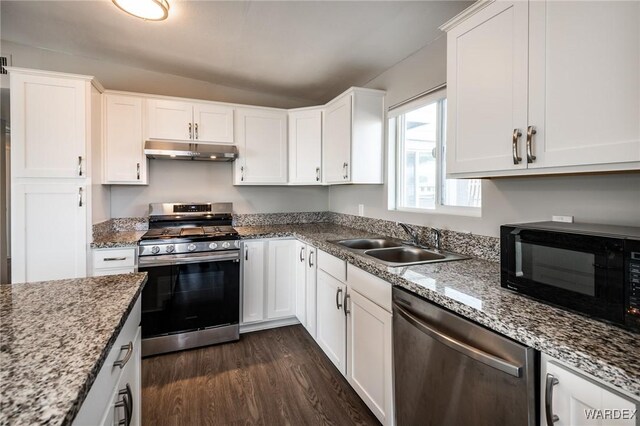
518	259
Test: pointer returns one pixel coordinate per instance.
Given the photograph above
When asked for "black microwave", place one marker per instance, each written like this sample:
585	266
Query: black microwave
588	268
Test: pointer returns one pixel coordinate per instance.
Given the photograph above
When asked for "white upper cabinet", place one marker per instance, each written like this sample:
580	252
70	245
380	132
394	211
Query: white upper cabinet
124	159
487	89
168	119
212	123
353	138
261	135
201	122
584	89
543	87
49	128
305	146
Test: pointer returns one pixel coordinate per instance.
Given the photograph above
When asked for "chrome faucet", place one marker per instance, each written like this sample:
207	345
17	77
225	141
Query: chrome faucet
413	234
437	239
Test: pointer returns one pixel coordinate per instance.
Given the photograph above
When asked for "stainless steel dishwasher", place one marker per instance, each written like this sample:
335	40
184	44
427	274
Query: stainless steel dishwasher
452	372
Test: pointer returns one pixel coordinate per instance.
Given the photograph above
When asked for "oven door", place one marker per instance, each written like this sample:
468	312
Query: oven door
580	272
190	292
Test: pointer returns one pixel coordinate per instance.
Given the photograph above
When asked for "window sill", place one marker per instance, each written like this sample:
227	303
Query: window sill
443	210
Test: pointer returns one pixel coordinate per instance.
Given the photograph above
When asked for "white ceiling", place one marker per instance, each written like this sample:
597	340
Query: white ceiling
304	49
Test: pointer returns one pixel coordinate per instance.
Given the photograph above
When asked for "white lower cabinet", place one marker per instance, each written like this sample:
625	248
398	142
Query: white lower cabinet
311	291
331	331
305	283
114	397
569	398
113	261
268	284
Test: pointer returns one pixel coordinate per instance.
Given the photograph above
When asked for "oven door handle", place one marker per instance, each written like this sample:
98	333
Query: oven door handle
186	259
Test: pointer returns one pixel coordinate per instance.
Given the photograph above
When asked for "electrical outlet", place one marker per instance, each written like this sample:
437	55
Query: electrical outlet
565	219
360	209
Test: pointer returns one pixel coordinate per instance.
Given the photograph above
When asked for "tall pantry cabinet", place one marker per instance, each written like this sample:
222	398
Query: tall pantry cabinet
55	129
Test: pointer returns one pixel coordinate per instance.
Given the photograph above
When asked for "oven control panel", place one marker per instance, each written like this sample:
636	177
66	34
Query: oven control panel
151	249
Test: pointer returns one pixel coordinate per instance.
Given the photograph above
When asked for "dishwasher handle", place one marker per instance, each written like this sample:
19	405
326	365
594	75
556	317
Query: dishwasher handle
463	348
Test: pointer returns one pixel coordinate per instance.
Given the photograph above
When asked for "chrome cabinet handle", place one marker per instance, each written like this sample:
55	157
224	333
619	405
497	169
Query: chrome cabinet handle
122	362
246	253
241	173
112	259
530	132
548	399
196	129
127	392
138	170
125	403
338	305
345	167
347	296
516	135
79	197
301	254
190	131
458	346
310	256
79	165
317	174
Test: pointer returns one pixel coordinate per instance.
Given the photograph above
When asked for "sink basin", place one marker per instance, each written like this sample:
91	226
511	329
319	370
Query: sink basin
405	256
368	243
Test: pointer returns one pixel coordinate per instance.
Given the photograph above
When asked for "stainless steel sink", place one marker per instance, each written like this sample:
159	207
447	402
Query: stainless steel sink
368	243
394	253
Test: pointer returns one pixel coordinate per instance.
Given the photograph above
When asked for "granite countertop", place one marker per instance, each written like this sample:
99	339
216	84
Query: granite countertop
54	338
472	289
118	239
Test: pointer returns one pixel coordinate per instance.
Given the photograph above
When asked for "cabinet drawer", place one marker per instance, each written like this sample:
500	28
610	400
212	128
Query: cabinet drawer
114	258
333	266
373	288
100	394
113	271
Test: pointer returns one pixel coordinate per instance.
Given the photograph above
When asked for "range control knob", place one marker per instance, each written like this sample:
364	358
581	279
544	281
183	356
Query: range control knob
170	249
155	249
236	244
213	246
191	247
226	245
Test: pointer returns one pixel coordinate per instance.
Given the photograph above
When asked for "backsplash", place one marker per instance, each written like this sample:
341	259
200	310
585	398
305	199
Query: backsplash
477	246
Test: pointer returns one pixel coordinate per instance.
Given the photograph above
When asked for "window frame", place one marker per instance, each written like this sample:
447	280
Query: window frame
395	137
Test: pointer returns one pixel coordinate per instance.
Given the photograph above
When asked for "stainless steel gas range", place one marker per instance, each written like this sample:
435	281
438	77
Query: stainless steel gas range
192	256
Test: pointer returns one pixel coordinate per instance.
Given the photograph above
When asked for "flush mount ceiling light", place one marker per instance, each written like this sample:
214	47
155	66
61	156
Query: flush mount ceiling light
150	10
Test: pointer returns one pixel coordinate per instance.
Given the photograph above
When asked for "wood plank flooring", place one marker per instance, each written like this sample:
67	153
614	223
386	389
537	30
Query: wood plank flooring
272	377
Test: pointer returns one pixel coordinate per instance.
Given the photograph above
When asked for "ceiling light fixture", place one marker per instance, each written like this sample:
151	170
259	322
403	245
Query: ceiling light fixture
149	10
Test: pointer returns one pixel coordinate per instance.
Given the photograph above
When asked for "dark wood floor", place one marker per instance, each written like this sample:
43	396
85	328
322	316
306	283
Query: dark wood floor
273	377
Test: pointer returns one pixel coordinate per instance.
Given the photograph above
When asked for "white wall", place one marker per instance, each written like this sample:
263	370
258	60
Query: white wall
172	180
611	199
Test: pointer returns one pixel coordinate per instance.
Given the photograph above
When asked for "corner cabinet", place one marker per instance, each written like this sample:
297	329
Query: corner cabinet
186	120
305	146
353	140
124	161
543	87
261	136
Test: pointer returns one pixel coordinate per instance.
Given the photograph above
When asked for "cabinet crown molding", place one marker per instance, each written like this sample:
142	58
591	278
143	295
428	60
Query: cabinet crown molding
465	14
32	71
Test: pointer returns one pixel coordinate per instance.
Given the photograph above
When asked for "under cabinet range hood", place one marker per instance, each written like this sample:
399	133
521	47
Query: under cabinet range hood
171	150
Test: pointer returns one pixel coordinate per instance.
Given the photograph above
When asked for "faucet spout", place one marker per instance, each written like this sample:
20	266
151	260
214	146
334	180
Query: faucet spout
413	234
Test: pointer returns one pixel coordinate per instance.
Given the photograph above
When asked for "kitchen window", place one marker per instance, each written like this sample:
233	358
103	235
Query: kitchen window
417	142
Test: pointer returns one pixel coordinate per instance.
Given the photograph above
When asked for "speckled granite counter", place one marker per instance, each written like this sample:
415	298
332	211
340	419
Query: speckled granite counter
118	239
54	338
472	289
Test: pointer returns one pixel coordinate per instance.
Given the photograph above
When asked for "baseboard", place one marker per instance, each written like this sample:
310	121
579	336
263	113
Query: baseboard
265	325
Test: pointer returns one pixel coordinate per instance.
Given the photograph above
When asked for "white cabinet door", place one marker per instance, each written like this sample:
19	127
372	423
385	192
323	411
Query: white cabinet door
212	123
311	311
301	282
253	280
48	126
168	119
124	160
584	93
131	377
331	331
369	348
487	89
281	281
262	145
573	397
337	140
305	147
39	250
